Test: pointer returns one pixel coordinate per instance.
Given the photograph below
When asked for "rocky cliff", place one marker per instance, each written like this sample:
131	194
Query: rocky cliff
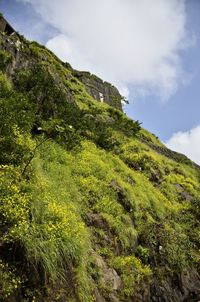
100	90
92	206
96	87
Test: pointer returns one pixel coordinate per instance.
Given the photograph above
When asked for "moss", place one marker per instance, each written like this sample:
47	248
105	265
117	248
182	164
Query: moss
5	59
132	272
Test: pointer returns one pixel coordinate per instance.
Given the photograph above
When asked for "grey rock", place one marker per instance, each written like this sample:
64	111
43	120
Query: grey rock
100	90
109	275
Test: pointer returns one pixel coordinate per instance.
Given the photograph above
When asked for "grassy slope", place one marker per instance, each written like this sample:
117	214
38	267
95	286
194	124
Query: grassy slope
79	180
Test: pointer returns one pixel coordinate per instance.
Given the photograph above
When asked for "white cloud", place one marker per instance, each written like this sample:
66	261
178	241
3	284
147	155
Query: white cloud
187	143
127	42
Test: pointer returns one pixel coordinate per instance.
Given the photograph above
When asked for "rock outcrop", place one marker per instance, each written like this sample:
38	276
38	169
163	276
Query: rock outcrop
96	87
100	90
5	26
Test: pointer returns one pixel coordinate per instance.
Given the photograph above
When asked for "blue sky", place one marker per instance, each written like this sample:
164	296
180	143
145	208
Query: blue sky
151	52
182	111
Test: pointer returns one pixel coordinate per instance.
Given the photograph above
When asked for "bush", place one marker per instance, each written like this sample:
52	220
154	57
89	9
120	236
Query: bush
132	273
5	59
16	118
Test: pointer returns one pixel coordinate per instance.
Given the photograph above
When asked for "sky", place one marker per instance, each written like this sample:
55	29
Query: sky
149	49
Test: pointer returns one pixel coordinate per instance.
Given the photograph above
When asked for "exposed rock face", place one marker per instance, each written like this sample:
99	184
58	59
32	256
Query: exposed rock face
13	46
110	275
5	26
100	90
110	279
183	288
170	154
97	88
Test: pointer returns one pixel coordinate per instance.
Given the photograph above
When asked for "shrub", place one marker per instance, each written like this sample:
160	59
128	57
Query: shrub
5	59
132	273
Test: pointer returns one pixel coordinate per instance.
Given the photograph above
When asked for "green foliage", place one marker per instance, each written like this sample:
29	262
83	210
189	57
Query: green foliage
5	86
40	86
9	282
65	121
15	124
143	254
54	211
79	178
45	218
14	204
5	59
14	214
132	273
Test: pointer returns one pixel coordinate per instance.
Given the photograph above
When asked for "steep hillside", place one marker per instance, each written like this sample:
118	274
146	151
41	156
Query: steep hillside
92	206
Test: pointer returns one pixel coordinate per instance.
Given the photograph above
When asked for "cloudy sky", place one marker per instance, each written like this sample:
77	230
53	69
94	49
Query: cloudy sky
148	48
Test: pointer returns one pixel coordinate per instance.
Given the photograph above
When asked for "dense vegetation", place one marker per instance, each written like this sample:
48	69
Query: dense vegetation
83	195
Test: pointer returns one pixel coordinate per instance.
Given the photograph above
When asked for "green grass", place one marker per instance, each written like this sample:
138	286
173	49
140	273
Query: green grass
77	179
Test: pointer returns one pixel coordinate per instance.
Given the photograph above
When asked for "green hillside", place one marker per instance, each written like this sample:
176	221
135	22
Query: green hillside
93	207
